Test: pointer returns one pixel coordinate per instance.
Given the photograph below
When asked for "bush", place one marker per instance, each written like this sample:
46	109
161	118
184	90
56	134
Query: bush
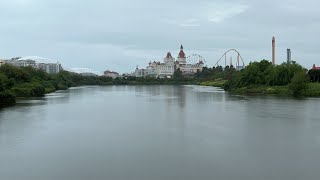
271	90
6	98
38	90
313	90
29	90
298	83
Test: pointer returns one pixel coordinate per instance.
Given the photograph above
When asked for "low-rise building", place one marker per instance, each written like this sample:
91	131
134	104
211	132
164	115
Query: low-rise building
140	72
112	74
51	68
169	66
35	62
315	67
21	63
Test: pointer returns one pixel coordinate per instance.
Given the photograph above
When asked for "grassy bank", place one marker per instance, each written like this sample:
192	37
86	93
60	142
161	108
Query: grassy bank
312	90
215	83
272	90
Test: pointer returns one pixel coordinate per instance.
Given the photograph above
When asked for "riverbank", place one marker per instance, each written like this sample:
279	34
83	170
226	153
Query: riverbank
28	82
216	83
256	78
312	90
16	82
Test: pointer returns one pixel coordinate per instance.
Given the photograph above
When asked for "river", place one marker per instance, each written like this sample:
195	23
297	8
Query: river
159	133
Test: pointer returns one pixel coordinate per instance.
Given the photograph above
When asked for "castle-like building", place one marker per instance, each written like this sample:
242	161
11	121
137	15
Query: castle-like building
169	66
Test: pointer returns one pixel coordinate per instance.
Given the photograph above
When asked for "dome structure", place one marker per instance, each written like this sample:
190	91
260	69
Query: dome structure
38	59
182	54
169	56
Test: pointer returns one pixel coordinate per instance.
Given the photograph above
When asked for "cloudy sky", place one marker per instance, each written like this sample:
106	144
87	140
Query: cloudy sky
120	34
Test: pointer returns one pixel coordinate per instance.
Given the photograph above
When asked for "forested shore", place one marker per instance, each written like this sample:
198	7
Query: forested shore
256	78
29	82
264	78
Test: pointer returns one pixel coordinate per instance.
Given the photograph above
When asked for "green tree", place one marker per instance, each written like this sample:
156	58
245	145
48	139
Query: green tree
298	83
3	82
177	74
314	75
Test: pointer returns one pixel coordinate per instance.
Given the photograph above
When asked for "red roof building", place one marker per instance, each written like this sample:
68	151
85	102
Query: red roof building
315	67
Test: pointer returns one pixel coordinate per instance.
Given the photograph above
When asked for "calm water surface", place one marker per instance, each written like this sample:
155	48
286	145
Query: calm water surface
159	133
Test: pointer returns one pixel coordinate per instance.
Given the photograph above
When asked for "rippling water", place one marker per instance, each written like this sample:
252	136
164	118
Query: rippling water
159	132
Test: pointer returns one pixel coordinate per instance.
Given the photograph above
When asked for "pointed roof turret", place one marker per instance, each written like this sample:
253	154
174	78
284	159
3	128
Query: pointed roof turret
181	53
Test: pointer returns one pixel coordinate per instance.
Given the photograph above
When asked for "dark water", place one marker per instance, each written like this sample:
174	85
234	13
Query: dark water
161	133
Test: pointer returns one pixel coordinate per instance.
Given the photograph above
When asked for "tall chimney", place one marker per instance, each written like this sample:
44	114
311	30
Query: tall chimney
288	56
273	51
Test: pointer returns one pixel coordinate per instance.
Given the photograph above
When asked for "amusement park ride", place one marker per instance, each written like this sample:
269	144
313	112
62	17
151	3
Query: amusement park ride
195	58
239	57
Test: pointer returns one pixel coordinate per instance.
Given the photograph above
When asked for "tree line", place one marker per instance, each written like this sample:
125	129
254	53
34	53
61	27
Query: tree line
263	73
30	82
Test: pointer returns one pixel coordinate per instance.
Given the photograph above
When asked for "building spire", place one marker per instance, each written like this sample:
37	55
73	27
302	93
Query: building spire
181	47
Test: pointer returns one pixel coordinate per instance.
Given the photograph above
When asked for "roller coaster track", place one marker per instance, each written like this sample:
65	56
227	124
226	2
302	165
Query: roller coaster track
225	56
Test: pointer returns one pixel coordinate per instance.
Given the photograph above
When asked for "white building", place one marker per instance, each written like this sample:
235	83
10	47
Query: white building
165	69
169	66
140	72
37	63
21	63
51	68
187	69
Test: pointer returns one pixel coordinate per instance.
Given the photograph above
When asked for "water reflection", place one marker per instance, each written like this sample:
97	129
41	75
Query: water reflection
159	132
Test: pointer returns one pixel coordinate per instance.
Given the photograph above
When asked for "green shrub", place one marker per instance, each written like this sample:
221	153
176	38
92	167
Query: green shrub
312	90
271	90
29	90
298	83
6	98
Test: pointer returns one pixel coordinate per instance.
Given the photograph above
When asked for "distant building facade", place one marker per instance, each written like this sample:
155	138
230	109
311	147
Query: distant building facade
315	67
169	66
112	74
21	63
51	68
140	72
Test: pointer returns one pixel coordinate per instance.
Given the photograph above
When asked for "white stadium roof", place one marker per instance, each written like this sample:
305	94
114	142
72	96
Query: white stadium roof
84	70
38	59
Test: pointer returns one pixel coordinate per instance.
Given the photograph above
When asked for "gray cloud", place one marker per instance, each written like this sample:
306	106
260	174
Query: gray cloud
121	34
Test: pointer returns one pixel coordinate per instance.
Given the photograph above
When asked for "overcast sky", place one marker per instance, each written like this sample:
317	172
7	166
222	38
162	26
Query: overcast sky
120	34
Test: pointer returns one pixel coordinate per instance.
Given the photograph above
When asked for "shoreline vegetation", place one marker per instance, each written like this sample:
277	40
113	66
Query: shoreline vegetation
257	78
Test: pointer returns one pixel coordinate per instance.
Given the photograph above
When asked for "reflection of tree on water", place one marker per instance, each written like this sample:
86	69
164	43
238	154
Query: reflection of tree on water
18	121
